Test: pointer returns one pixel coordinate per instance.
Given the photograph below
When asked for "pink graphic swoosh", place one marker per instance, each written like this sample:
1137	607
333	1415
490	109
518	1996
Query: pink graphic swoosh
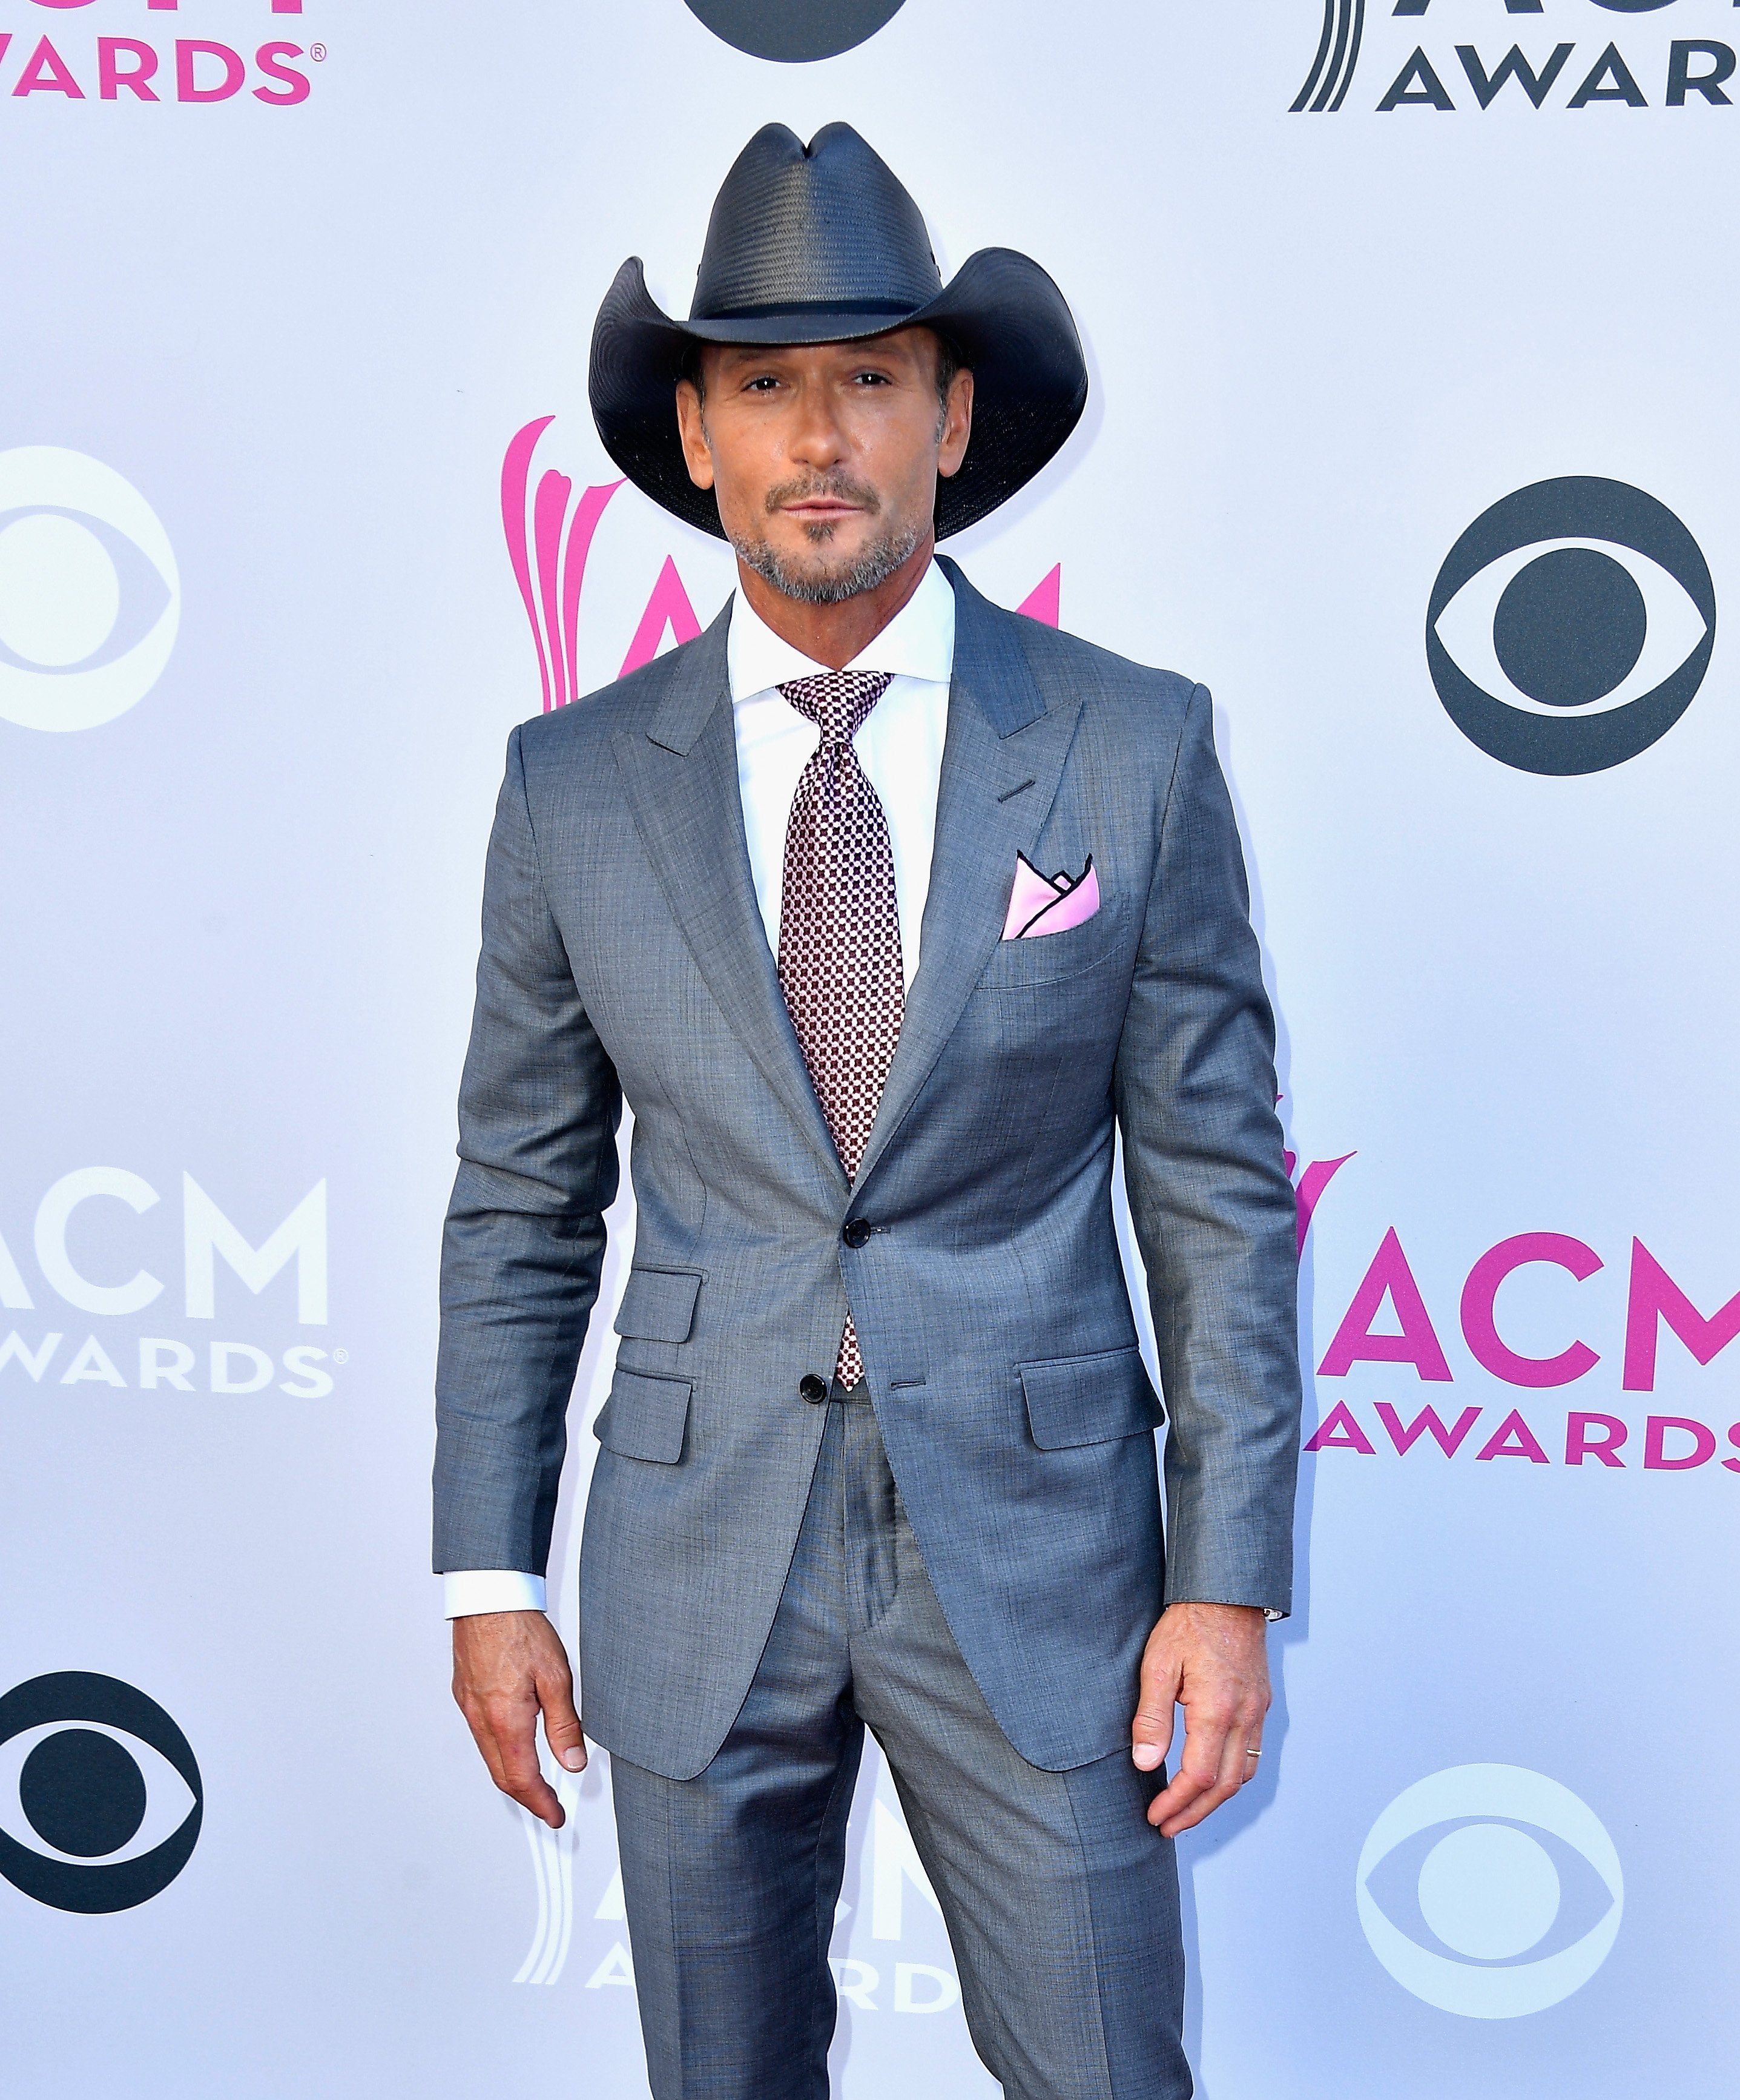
587	512
549	509
516	469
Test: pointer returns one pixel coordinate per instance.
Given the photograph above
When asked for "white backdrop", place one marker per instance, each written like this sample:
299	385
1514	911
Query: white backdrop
267	341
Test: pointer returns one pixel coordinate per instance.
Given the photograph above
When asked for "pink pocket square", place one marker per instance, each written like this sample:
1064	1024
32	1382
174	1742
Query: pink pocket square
1049	903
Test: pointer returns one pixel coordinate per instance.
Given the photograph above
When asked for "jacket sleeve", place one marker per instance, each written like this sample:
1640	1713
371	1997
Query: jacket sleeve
524	1242
1209	1198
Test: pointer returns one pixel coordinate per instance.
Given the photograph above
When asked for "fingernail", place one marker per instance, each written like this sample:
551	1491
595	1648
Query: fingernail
1146	1756
574	1760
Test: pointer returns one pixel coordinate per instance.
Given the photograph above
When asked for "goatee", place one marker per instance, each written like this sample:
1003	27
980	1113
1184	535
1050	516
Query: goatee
821	583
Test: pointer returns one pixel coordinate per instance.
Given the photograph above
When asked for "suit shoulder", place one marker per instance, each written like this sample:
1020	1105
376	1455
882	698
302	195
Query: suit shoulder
627	703
1101	675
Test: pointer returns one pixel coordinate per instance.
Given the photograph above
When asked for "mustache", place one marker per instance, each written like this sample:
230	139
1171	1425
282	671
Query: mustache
828	487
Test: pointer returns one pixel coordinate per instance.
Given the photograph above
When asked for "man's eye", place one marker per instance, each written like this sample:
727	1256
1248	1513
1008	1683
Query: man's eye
764	384
873	379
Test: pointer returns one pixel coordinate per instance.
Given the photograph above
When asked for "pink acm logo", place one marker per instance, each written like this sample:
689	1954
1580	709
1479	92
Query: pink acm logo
74	66
1389	1330
549	532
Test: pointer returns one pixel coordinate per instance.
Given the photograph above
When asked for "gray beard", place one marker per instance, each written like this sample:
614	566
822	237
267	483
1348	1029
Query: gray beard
825	586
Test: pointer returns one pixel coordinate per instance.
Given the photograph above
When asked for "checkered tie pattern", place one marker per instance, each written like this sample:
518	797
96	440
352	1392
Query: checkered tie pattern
840	930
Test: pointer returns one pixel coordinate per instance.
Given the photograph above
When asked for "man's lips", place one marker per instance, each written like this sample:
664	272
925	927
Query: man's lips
821	506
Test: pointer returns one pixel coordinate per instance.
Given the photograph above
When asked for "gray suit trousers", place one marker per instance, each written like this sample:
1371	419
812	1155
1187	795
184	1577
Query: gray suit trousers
1061	1902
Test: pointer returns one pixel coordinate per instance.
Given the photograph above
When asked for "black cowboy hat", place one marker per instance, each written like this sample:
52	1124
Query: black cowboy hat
822	244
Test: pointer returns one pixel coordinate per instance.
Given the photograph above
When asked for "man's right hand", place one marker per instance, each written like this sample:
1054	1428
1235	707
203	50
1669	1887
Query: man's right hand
506	1666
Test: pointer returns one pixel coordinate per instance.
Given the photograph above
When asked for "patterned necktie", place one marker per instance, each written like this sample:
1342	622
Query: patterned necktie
839	932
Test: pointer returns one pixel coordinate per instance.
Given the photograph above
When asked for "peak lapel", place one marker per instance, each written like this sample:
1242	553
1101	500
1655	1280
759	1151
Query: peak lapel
680	775
1002	758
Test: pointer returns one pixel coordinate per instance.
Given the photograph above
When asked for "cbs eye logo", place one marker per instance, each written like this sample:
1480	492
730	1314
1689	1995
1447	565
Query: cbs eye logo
90	593
105	1785
1571	626
1490	1891
793	31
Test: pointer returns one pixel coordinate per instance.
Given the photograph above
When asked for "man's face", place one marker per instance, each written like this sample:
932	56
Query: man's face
824	457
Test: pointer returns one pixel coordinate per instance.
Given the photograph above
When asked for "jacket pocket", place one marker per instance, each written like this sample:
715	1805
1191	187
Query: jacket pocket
644	1418
658	1304
1074	1400
1020	965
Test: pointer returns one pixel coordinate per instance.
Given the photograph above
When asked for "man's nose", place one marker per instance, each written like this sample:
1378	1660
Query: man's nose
817	437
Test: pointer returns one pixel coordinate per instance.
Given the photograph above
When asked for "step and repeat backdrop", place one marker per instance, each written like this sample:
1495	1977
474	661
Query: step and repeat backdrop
1413	434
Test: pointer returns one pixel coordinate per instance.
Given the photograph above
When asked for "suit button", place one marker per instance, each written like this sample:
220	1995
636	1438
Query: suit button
857	1234
812	1388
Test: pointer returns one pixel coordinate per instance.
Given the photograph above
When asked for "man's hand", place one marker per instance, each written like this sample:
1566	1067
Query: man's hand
1212	1661
506	1665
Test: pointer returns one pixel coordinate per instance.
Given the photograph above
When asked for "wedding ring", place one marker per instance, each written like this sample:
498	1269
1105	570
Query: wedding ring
1253	1754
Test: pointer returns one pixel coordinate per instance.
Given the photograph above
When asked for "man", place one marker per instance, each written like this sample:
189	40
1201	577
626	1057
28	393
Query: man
885	910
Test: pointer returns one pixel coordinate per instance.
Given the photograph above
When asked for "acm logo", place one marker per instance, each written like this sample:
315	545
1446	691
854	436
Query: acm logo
128	69
1691	69
83	1235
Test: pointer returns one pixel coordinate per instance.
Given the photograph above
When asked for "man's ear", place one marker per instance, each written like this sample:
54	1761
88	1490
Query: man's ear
697	454
957	425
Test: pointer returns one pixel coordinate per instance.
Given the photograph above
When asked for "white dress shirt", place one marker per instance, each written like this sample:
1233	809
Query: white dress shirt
900	747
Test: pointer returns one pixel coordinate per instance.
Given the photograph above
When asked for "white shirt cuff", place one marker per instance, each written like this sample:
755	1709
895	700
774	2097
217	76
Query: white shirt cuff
468	1591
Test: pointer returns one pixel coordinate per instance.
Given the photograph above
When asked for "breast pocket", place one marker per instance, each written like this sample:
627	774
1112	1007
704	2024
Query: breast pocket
1042	958
1097	1398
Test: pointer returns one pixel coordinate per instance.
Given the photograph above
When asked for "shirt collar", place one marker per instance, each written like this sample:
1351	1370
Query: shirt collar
918	642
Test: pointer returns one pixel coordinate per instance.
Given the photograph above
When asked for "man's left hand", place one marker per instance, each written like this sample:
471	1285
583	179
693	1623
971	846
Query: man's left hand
1212	1661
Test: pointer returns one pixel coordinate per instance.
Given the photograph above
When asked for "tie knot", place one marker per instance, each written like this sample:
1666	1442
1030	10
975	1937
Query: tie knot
838	701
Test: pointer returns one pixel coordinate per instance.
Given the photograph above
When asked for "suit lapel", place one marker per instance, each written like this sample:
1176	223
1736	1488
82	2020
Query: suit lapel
680	775
1004	755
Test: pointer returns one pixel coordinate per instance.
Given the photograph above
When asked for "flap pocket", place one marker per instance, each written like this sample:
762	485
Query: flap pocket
644	1418
1074	1400
658	1304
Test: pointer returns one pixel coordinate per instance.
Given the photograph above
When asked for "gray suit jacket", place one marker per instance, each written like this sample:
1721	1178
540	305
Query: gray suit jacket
623	954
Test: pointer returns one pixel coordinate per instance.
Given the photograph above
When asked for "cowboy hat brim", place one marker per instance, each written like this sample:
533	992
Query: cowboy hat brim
1005	318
